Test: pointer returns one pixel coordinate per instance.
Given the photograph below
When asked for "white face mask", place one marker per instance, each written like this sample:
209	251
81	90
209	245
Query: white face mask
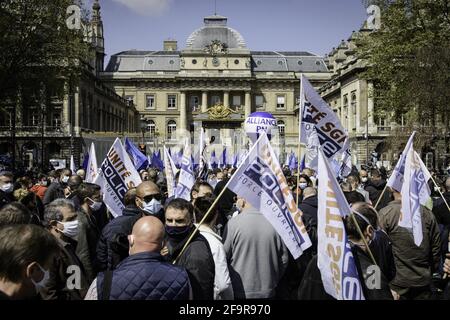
65	179
95	205
364	179
152	207
303	185
41	284
7	187
70	229
44	183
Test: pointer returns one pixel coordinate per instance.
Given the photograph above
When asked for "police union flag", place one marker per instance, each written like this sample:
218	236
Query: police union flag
260	181
117	175
396	179
319	124
334	256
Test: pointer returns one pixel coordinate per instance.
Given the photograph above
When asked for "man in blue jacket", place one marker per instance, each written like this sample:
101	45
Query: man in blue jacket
144	275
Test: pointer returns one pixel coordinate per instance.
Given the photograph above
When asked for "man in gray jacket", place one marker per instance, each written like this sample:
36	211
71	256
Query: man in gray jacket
414	264
256	253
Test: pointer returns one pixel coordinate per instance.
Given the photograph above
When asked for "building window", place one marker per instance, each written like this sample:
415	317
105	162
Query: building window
259	101
194	102
236	101
353	110
56	120
215	100
171	129
33	119
281	102
171	101
150	101
281	128
151	127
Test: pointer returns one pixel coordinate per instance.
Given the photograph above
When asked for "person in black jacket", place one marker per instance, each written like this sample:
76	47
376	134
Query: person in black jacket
312	287
60	218
375	187
197	257
90	197
56	189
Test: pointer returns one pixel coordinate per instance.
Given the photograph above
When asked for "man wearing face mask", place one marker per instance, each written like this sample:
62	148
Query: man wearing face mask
60	218
26	252
197	257
56	189
6	188
143	275
90	197
112	246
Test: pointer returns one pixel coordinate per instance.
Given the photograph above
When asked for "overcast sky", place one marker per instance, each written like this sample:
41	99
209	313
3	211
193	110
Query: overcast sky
282	25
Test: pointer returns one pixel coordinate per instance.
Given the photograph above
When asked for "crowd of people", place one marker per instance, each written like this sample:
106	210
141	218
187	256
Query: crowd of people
58	241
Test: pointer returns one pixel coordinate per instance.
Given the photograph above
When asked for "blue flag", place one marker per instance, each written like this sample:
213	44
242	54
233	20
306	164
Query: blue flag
157	162
302	164
223	158
139	160
213	161
293	162
85	161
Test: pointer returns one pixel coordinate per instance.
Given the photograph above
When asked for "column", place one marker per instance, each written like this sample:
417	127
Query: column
204	101
370	108
183	113
248	104
76	123
226	99
66	117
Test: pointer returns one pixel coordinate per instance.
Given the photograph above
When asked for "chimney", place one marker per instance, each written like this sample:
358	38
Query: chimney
170	45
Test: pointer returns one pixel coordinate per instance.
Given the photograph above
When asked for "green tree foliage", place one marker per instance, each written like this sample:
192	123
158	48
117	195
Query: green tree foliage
35	43
408	61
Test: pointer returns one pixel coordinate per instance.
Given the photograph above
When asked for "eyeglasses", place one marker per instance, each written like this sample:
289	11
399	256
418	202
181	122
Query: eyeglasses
150	197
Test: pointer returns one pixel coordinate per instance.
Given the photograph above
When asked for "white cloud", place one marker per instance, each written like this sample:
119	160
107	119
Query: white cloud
147	7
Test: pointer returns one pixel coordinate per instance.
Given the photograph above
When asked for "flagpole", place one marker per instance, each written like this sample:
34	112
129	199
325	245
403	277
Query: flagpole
300	117
381	196
363	238
211	208
439	190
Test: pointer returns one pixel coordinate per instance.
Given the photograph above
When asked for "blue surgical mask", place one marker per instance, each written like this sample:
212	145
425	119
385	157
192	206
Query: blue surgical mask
41	284
302	185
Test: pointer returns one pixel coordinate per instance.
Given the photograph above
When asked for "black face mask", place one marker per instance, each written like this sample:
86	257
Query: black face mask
178	233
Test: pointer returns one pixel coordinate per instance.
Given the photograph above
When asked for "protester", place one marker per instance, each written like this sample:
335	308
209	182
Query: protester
112	246
56	188
90	198
223	289
41	186
33	204
251	243
356	186
201	189
414	264
6	188
148	199
60	219
81	173
26	252
14	213
364	177
312	287
144	275
375	186
197	257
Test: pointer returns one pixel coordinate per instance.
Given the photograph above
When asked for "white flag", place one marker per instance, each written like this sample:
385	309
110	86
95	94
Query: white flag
186	179
334	256
318	118
415	191
116	176
72	165
396	179
92	168
171	170
260	181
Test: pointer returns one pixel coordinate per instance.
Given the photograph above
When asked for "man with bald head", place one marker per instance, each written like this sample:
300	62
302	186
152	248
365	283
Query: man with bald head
144	275
112	246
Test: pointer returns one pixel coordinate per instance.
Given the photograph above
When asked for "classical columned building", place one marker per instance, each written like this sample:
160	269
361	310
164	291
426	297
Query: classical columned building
214	82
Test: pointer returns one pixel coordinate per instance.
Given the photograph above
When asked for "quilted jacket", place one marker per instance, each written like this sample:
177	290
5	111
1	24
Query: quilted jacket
145	276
